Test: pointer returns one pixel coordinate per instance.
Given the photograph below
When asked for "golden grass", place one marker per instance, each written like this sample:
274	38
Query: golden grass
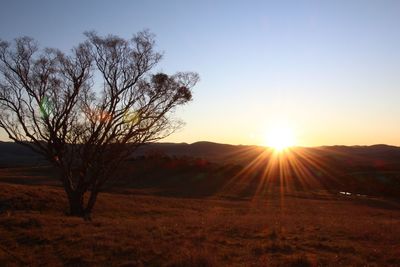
145	230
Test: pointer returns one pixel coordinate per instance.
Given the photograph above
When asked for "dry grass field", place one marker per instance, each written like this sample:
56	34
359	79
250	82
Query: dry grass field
135	227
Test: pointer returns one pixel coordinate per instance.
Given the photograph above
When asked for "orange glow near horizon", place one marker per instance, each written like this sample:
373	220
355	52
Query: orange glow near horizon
280	137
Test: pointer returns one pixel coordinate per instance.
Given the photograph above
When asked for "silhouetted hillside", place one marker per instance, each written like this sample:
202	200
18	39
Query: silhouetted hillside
208	150
12	154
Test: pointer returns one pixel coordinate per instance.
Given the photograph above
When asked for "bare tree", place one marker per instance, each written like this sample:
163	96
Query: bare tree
88	110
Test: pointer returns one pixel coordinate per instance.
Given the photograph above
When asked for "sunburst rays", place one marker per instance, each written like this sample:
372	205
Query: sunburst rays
292	171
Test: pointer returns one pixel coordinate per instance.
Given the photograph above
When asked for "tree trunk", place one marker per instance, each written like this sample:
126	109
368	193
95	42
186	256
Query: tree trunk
76	207
76	199
91	201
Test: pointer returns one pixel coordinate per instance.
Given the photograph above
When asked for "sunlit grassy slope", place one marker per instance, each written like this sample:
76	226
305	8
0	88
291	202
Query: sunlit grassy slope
151	223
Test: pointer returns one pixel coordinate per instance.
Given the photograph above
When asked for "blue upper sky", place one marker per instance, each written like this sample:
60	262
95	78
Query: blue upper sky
329	69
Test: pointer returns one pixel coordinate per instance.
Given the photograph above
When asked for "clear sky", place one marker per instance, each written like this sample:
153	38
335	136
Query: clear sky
330	70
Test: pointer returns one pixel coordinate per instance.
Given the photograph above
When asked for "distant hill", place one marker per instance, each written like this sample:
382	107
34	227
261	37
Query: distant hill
207	150
14	154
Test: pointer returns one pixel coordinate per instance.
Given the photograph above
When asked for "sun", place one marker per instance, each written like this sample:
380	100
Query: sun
280	138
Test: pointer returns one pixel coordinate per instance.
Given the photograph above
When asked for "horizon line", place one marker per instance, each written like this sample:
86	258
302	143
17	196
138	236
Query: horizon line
230	144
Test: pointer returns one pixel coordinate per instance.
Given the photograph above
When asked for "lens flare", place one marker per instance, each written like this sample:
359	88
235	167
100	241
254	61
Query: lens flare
46	107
